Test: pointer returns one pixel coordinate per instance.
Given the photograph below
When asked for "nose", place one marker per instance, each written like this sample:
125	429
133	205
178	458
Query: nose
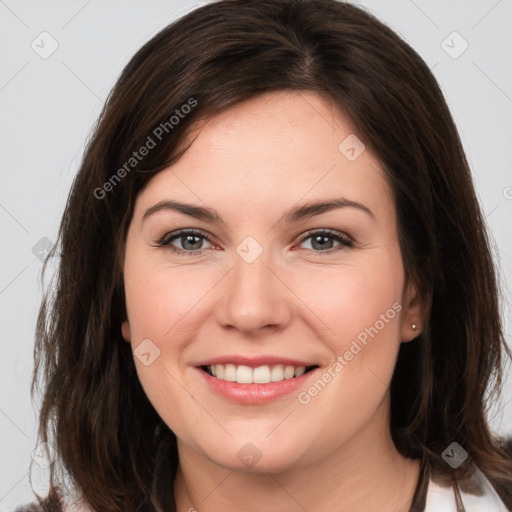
254	297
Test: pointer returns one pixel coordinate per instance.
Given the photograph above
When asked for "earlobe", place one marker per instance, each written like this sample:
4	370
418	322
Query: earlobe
412	319
125	329
410	332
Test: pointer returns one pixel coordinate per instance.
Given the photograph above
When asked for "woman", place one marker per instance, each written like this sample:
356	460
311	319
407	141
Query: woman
275	288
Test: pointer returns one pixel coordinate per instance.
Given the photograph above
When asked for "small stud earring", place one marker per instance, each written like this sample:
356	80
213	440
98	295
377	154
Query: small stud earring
414	327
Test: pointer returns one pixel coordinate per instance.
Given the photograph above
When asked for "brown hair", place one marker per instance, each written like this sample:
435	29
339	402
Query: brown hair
217	56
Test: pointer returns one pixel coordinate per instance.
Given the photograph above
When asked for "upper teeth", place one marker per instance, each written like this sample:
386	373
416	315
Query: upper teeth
260	375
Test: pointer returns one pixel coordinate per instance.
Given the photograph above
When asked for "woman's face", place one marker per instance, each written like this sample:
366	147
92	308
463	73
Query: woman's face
262	293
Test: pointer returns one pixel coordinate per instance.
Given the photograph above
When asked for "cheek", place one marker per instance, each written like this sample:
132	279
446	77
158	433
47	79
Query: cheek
160	303
348	301
159	297
358	312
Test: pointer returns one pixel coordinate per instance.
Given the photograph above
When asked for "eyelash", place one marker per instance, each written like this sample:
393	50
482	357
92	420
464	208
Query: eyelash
166	240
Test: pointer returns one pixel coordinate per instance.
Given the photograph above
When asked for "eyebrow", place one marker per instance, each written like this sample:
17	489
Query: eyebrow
295	214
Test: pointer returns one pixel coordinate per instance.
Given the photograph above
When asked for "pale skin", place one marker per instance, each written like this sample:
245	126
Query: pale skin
251	164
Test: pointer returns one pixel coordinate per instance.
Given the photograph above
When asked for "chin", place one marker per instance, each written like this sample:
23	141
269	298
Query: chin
256	456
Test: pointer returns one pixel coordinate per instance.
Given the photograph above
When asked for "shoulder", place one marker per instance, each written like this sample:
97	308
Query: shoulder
31	507
70	507
445	498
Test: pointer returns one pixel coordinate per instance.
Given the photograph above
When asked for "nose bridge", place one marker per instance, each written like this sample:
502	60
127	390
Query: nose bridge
253	296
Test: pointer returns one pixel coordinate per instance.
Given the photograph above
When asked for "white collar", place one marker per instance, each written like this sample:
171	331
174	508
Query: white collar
442	499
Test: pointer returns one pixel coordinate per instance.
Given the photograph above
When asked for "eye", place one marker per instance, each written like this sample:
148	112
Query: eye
191	240
322	240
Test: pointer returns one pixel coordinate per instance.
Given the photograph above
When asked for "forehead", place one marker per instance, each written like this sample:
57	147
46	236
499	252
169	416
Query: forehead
272	151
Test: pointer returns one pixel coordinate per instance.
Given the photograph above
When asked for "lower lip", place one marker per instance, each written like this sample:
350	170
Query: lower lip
251	394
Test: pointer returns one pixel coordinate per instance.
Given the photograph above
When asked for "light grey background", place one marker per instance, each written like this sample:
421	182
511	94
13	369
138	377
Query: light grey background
48	107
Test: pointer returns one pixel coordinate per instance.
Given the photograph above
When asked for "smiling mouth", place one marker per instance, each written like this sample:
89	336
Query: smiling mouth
264	374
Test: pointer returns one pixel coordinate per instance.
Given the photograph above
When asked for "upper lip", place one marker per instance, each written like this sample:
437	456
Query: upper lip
254	362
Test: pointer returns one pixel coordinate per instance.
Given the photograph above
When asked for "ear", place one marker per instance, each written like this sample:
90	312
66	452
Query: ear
125	329
413	312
